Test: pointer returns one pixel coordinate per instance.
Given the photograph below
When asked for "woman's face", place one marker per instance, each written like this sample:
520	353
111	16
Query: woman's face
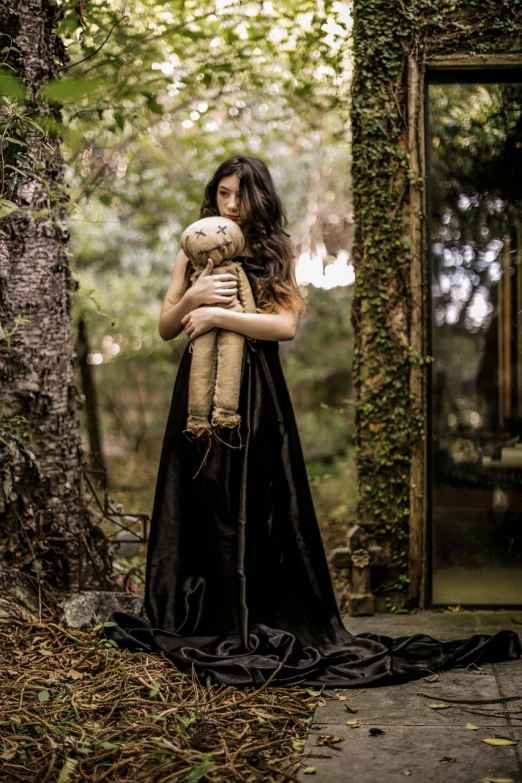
228	201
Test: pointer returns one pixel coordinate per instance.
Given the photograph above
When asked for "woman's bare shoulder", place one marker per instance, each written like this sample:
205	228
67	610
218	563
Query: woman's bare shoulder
181	258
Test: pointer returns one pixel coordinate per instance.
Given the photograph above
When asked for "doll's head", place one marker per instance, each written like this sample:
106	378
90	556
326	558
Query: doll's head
217	238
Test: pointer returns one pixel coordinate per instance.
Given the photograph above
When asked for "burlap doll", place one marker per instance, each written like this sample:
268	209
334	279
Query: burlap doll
217	355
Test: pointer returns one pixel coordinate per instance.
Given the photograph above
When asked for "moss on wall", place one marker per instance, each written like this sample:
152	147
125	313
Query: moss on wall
390	420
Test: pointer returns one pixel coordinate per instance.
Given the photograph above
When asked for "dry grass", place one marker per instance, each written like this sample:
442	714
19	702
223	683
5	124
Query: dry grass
75	708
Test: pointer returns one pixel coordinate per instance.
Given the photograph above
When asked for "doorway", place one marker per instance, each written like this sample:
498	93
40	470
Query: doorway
474	157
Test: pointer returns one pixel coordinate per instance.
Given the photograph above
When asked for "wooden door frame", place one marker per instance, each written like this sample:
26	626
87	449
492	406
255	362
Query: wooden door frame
418	67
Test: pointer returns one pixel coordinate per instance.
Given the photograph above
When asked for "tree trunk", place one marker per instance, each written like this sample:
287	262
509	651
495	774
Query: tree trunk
40	452
89	391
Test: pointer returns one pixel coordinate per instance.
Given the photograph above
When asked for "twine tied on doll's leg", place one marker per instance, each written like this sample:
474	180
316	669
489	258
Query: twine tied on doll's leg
230	446
197	434
200	429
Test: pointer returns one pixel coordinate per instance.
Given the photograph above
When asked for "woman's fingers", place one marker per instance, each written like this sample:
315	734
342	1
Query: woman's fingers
225	276
227	291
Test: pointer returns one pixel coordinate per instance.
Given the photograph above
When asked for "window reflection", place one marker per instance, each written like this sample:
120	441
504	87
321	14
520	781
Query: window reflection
475	140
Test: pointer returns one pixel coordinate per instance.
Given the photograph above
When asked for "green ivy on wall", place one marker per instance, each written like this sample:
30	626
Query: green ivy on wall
390	419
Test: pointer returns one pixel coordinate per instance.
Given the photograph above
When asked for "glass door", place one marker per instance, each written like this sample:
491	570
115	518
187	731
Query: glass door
474	141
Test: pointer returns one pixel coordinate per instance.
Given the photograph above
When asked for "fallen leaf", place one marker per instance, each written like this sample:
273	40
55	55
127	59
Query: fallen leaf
499	741
74	675
498	780
321	703
12	673
260	714
309	771
457	608
472	727
341	698
328	739
438	705
431	678
43	695
353	724
36	639
67	770
165	743
311	692
9	754
350	709
298	744
446	759
406	772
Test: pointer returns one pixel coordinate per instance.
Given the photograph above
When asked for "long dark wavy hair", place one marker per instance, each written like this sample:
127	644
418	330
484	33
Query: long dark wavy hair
264	221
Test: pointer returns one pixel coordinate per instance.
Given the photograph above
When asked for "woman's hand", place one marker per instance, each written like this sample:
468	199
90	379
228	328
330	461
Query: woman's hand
199	321
214	289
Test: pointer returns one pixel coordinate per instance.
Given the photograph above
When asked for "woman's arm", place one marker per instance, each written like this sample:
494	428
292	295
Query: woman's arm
179	300
280	325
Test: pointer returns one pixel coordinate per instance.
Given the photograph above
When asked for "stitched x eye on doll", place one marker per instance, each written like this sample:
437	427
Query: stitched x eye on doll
217	355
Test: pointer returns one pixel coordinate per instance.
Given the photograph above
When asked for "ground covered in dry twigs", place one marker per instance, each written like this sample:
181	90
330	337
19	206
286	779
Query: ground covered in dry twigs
76	708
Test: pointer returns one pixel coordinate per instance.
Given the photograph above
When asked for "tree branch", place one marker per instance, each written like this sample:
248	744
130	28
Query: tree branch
72	65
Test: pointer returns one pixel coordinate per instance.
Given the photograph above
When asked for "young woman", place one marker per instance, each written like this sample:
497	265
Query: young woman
237	580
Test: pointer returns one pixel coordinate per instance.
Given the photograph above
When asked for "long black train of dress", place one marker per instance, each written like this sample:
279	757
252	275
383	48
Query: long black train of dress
237	580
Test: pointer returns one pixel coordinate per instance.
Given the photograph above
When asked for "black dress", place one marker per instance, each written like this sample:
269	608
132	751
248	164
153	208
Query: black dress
237	580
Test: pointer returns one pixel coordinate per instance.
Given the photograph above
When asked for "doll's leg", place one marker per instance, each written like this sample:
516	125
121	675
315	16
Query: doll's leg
228	379
201	382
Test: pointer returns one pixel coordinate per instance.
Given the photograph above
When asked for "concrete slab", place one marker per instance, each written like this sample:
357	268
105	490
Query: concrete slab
401	704
510	676
417	737
397	756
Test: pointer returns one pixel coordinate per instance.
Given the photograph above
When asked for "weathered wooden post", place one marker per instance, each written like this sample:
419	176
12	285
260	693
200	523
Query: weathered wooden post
359	557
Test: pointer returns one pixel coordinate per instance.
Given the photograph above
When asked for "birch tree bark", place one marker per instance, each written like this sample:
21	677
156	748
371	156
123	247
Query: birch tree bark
40	447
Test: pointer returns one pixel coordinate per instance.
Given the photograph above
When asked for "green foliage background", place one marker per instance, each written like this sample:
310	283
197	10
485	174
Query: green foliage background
173	91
